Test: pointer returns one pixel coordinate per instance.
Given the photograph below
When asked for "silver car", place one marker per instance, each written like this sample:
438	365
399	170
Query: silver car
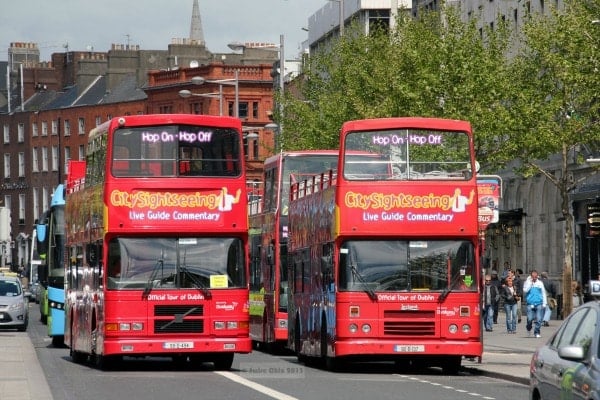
568	365
14	304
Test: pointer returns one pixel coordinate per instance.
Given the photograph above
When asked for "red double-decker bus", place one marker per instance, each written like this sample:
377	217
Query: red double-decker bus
157	241
383	254
268	241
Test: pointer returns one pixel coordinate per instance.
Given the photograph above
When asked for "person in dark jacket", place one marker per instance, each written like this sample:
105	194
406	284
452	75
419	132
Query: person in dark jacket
508	293
490	299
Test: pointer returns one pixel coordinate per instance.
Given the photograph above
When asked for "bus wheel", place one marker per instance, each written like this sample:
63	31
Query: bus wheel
77	356
451	365
223	361
297	344
58	341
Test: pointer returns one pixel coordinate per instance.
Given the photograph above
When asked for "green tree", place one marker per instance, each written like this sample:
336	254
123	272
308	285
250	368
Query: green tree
555	108
433	66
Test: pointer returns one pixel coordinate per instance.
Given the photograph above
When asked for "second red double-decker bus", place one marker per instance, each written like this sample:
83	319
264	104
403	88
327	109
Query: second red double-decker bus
383	254
157	242
268	241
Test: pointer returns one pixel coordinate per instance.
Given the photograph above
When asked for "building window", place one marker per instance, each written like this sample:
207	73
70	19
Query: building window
98	120
54	127
34	129
6	134
21	165
255	110
34	159
44	160
81	153
67	127
54	158
44	128
44	198
6	165
67	158
81	126
36	203
242	110
21	209
165	109
21	132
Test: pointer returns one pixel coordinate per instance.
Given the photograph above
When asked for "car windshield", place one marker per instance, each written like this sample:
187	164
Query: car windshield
9	288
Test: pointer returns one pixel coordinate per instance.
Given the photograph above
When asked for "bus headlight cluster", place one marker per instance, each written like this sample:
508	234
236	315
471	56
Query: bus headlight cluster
131	326
58	306
465	328
124	326
221	325
365	328
282	323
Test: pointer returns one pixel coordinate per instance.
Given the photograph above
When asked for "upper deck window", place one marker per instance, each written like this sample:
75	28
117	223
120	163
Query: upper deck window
407	154
175	150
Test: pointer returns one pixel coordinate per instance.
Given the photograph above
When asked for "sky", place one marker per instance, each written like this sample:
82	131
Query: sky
151	24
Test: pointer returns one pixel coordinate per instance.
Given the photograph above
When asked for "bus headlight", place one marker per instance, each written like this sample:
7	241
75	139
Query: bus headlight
282	323
466	328
366	328
353	328
453	328
232	325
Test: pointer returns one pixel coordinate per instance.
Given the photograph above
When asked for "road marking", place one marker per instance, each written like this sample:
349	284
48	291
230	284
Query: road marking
427	382
256	386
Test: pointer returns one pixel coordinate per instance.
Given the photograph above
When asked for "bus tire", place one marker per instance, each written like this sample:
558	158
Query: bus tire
451	365
297	343
58	341
223	362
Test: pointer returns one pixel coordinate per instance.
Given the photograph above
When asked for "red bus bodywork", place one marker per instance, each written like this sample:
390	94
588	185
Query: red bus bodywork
376	255
143	209
268	240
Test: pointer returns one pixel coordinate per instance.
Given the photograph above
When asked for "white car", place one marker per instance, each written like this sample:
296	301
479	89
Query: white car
14	304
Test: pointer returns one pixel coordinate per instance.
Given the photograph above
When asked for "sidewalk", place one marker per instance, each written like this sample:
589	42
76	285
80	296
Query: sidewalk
508	356
21	376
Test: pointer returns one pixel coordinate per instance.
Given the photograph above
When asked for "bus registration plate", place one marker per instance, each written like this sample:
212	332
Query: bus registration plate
409	348
178	345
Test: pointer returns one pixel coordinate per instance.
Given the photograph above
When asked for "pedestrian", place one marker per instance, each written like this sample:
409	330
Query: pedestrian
550	287
497	283
535	296
518	283
577	294
490	298
508	293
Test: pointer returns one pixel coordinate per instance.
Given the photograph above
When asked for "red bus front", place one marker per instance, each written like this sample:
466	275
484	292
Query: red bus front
158	242
385	252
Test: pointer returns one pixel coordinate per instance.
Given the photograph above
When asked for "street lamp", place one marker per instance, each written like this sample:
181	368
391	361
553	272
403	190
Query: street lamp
199	80
271	126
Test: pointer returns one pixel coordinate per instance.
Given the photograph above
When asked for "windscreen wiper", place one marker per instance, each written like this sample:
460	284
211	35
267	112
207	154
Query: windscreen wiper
150	282
359	277
198	284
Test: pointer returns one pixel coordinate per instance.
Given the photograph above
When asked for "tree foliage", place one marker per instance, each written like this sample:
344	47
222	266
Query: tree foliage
525	106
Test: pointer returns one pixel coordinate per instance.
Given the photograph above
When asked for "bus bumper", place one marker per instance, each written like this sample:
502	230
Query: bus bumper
390	347
166	346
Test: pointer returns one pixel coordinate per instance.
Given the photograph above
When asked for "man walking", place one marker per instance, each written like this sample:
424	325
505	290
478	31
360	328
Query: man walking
535	295
490	298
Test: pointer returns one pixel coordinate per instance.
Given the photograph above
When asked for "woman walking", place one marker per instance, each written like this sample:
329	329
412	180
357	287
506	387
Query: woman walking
508	292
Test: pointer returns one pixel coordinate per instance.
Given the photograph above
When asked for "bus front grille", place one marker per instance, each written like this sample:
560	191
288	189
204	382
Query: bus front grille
182	318
176	326
409	323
